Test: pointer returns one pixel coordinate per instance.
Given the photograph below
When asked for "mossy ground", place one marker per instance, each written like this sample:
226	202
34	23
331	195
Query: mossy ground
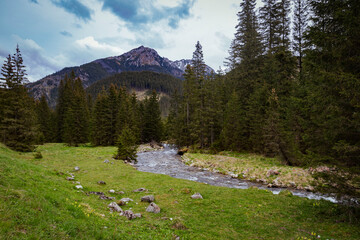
37	202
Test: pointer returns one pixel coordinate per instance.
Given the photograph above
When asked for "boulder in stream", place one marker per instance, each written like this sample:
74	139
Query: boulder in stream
153	208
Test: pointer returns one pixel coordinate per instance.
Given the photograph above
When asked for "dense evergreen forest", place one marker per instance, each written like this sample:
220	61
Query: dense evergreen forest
296	97
289	93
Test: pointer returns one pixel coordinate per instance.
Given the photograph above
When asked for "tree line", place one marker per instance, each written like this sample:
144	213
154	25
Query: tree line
292	97
77	119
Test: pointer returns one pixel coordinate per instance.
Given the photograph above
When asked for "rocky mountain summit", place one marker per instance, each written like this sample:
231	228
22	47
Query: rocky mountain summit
138	59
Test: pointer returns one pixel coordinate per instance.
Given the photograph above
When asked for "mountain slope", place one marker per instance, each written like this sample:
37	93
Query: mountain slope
138	59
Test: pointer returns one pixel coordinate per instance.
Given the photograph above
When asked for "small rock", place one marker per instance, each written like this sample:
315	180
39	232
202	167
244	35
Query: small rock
70	178
153	208
79	187
138	215
148	198
101	182
120	192
129	214
97	193
111	191
292	184
197	196
272	172
103	197
126	200
78	183
309	188
106	161
114	207
140	190
72	175
76	168
112	162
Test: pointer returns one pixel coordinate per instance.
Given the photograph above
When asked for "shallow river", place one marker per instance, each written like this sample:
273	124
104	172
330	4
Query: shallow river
167	162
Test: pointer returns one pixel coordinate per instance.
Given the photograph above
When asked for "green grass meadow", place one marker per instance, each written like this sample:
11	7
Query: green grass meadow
37	202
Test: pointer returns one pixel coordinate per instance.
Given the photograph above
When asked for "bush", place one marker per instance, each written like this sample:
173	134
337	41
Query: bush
38	155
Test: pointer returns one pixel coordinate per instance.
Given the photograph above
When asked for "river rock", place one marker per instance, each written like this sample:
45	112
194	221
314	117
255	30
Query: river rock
309	188
70	178
76	168
111	191
101	182
140	190
114	207
292	184
153	208
197	196
148	198
272	172
79	187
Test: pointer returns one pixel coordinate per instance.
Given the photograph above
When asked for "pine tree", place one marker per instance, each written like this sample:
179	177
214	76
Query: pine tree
300	23
153	128
18	120
126	145
46	120
246	45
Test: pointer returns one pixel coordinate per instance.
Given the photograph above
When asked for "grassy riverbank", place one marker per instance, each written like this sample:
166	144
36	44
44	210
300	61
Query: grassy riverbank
36	201
252	167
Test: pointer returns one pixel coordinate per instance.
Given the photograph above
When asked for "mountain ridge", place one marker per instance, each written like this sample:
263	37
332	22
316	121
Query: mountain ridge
137	59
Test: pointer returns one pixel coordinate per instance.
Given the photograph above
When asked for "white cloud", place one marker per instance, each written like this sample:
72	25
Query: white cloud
91	44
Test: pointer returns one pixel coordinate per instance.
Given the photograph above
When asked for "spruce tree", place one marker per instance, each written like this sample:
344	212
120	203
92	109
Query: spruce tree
18	121
46	120
126	145
300	23
153	128
246	46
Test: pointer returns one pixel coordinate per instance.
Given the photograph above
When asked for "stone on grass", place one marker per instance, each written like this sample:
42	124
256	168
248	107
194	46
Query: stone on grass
79	187
103	197
97	193
115	207
101	182
76	168
130	215
70	178
148	198
111	191
106	161
197	196
120	192
153	208
140	190
126	200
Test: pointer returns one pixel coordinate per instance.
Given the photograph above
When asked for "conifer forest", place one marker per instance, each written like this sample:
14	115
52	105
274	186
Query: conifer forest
291	91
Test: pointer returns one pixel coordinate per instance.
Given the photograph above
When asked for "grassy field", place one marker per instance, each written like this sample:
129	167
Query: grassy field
251	167
37	202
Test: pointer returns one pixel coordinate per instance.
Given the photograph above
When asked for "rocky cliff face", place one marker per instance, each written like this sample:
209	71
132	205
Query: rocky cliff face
138	59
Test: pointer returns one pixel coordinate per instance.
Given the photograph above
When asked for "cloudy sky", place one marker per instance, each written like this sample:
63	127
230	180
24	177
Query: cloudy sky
53	34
